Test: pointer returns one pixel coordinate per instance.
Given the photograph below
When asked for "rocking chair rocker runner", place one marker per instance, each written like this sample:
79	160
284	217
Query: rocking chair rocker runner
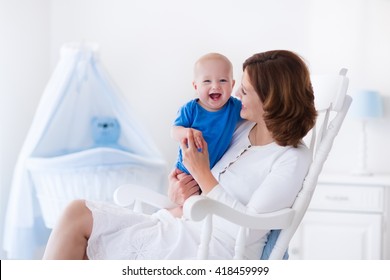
332	105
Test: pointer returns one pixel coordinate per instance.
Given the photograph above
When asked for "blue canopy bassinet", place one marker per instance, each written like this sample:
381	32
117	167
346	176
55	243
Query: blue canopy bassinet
83	143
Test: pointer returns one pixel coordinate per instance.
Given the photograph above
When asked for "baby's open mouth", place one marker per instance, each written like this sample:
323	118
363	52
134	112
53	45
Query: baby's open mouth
215	96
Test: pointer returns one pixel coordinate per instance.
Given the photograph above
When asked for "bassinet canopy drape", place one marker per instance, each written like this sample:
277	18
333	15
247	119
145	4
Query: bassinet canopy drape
84	142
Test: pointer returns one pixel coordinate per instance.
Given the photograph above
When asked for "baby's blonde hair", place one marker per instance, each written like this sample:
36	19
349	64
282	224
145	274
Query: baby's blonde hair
215	56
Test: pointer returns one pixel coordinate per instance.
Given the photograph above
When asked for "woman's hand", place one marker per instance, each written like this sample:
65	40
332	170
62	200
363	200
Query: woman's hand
197	161
194	159
181	186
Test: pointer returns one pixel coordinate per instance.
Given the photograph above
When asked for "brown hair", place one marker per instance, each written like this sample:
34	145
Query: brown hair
282	81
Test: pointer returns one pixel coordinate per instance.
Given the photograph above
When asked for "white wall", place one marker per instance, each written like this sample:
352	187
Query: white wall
149	46
24	70
356	35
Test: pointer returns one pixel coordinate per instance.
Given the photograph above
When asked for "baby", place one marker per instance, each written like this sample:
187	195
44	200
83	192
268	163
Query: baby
214	114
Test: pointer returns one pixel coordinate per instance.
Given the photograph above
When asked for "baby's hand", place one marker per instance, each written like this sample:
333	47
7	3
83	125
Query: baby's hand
198	138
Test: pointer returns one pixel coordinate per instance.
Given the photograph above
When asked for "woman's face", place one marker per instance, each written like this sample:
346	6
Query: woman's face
252	107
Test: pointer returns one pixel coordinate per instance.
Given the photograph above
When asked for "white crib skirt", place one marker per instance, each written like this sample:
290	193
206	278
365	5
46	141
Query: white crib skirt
92	174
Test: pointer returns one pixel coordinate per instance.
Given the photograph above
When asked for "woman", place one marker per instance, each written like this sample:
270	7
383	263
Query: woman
262	171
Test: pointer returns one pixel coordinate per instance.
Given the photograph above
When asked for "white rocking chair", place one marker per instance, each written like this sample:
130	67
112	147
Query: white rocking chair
332	105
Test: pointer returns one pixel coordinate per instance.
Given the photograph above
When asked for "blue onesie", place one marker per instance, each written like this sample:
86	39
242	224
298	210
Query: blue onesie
217	127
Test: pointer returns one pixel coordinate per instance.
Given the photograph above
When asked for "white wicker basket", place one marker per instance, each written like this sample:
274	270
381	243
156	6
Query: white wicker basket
92	175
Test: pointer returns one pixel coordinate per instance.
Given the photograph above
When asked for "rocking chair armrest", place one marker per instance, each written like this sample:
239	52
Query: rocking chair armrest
198	207
127	194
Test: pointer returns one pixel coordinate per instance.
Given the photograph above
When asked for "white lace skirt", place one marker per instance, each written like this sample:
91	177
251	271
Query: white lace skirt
121	234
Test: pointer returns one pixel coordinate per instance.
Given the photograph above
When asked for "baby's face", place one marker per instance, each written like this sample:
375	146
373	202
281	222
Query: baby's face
213	83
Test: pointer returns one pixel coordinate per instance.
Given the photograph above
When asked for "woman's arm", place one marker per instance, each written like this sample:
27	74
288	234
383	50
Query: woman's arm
197	161
277	190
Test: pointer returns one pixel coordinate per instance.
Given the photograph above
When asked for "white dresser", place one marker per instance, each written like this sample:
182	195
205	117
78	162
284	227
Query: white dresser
348	218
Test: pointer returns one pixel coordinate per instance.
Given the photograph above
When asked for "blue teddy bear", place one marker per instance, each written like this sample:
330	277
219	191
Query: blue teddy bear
105	131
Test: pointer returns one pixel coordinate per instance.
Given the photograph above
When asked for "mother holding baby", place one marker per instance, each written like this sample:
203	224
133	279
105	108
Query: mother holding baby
262	171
